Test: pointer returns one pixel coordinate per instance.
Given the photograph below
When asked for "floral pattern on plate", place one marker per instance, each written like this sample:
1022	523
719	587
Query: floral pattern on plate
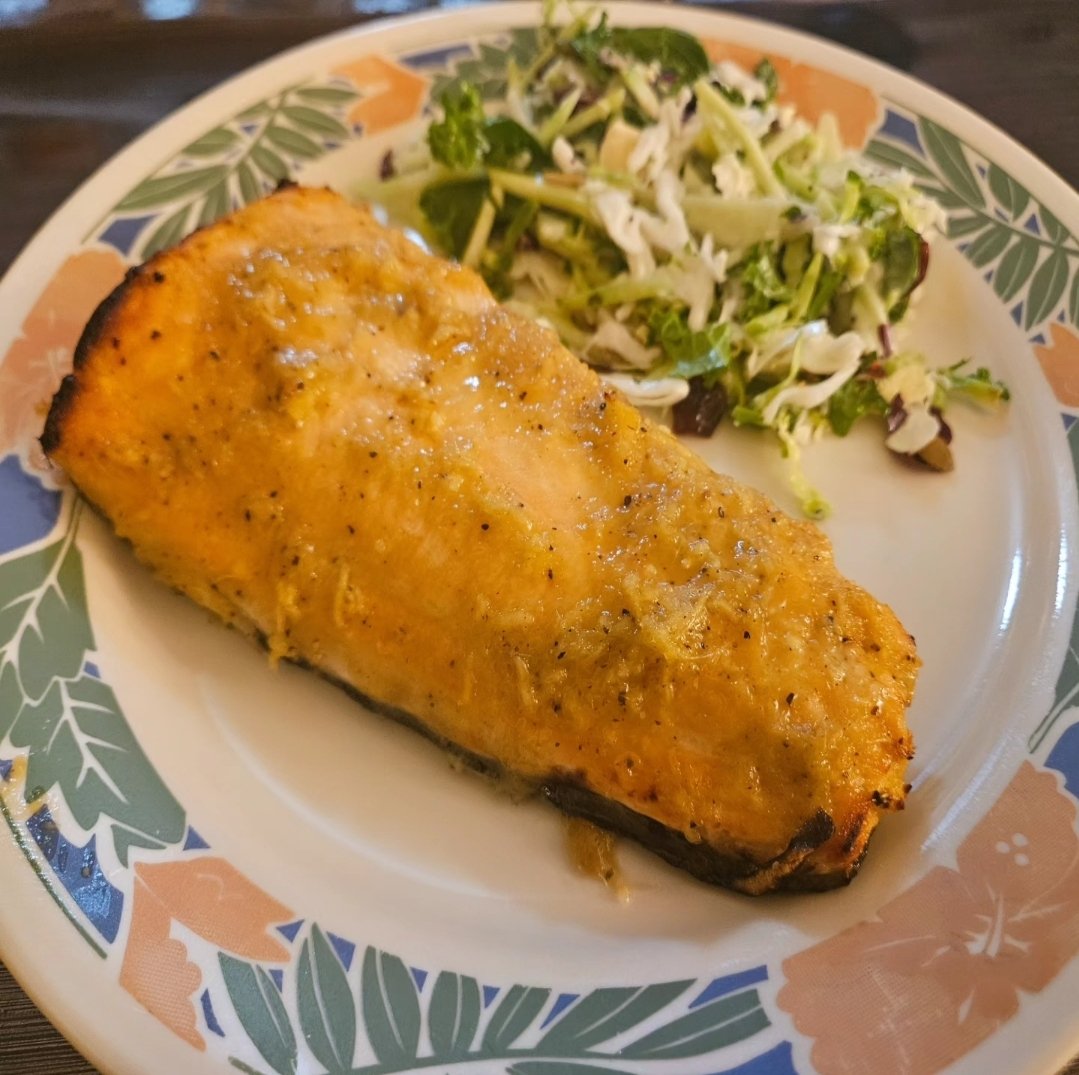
227	967
944	964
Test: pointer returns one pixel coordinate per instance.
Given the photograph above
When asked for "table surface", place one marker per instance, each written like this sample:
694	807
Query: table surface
81	78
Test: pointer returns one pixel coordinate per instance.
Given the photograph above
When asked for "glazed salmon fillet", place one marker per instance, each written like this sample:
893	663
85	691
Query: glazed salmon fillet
346	449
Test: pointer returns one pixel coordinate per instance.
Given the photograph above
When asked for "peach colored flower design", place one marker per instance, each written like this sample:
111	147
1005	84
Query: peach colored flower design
216	902
392	94
945	963
40	356
812	91
156	970
1060	363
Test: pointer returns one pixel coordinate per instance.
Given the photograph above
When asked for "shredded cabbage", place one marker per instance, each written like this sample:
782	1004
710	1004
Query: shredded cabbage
669	217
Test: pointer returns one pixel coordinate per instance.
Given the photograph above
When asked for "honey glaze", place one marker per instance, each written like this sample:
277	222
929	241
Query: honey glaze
594	853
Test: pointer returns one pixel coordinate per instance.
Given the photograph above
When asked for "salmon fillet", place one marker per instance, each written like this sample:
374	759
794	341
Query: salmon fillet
345	448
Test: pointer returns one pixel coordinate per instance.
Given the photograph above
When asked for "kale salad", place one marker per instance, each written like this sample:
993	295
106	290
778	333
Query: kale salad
699	243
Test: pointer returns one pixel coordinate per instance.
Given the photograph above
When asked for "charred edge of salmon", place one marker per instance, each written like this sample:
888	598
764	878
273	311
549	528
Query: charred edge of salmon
61	405
786	872
704	861
95	331
479	763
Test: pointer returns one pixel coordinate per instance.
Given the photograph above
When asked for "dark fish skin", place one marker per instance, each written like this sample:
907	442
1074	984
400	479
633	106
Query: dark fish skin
571	795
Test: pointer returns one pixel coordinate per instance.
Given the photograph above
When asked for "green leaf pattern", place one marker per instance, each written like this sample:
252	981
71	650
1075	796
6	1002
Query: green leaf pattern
236	162
703	1030
454	1014
261	1012
1015	268
66	720
391	1009
163	190
380	1018
327	1016
949	155
515	1013
212	143
1066	695
1027	254
173	228
487	70
1010	195
1053	227
1047	288
605	1013
988	246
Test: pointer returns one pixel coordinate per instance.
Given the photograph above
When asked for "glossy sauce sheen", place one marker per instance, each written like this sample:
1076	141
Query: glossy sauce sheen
347	448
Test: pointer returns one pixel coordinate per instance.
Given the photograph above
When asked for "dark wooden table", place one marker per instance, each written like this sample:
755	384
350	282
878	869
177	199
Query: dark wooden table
81	78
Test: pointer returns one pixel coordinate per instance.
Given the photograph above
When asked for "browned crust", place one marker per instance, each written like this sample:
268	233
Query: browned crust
705	861
95	331
61	406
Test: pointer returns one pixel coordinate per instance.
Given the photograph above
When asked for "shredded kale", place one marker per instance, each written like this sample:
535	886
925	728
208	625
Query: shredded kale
589	45
744	415
979	385
451	208
739	211
827	287
855	399
735	96
458	140
764	287
900	252
703	353
509	145
465	137
495	267
678	54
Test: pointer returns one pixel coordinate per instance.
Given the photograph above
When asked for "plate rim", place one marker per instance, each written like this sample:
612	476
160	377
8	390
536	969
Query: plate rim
627	12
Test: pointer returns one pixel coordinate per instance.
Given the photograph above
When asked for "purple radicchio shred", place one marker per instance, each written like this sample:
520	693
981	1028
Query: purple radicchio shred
387	168
923	263
701	411
945	430
897	414
884	334
588	98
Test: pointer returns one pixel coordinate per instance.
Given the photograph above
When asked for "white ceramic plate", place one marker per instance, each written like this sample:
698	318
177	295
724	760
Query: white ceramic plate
209	866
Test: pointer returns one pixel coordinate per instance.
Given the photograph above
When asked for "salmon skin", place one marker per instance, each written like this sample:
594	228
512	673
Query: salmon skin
346	449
